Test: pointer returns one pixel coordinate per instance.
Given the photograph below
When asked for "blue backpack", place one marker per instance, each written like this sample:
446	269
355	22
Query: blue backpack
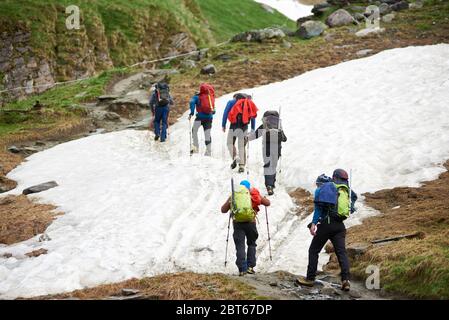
334	198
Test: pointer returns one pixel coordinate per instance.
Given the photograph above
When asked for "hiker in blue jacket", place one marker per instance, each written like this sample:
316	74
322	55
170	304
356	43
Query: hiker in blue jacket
160	103
238	131
327	225
202	119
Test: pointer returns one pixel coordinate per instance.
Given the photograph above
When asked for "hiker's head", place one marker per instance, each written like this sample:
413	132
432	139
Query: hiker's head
340	176
246	184
322	179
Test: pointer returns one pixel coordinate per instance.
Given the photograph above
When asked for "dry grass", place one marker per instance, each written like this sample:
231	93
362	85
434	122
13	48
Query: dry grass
416	267
305	198
22	219
179	286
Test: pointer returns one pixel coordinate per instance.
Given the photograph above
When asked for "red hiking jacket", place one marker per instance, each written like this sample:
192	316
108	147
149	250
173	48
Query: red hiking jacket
244	106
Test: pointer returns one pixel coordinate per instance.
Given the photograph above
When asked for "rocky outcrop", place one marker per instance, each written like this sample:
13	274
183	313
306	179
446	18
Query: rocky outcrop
39	188
311	29
340	18
259	35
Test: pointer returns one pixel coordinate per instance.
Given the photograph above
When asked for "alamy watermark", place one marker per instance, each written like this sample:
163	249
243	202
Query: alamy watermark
72	22
373	280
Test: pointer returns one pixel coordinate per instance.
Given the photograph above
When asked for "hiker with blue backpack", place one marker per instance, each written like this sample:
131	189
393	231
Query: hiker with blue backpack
203	103
160	103
333	205
243	205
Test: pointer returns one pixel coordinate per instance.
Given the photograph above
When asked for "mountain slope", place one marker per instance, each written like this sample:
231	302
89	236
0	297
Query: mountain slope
134	207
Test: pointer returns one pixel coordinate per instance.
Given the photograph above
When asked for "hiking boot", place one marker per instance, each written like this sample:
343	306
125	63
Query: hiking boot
241	168
234	164
270	190
241	273
250	270
305	282
156	138
345	285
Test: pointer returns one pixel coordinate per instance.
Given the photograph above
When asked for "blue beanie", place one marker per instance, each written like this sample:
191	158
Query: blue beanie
246	184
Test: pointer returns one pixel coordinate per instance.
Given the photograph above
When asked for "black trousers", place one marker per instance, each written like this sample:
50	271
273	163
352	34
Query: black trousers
336	233
246	230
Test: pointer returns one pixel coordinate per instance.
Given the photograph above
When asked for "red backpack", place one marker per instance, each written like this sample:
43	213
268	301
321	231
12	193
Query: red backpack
207	99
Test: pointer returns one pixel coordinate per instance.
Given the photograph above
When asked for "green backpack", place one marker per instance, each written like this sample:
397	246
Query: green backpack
343	205
242	207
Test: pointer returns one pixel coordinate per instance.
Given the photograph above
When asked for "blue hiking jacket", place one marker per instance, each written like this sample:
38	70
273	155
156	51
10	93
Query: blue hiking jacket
194	102
228	108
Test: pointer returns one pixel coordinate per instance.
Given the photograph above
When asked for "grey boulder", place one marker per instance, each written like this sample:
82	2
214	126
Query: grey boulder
40	187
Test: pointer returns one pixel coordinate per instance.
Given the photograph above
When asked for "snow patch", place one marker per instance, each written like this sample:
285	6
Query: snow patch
292	9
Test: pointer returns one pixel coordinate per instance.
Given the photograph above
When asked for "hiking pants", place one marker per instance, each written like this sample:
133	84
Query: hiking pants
246	230
207	126
270	163
336	233
239	135
161	119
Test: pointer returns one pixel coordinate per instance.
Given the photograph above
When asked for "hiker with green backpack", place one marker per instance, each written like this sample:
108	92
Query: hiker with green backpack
244	206
332	206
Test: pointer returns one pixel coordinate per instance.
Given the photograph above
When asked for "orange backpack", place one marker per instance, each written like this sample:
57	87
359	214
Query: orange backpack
207	99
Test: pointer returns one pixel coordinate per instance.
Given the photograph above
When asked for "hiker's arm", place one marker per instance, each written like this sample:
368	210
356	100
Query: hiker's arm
316	209
152	103
265	202
225	114
226	206
193	105
253	124
283	136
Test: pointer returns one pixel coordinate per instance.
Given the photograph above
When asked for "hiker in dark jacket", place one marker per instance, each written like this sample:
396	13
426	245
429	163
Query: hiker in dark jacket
246	261
160	102
238	129
272	138
328	225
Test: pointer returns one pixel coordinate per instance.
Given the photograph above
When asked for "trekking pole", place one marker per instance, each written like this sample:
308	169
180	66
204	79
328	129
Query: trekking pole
229	221
247	157
190	134
350	193
268	230
280	142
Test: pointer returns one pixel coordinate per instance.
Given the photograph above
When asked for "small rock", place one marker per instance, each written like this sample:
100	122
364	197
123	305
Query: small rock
357	249
384	9
418	4
286	44
224	57
300	21
209	69
368	31
7	255
188	64
388	17
111	116
354	294
129	292
44	237
321	8
14	149
329	291
363	53
339	18
273	284
311	29
359	17
30	150
40	187
36	253
39	143
108	97
403	5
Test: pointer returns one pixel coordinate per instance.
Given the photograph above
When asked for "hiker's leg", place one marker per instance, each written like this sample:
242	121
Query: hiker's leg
207	126
196	127
164	119
269	177
338	240
241	146
318	242
230	143
239	240
157	121
251	237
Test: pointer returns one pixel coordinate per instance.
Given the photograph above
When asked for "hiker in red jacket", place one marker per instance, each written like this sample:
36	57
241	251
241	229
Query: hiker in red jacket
240	111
